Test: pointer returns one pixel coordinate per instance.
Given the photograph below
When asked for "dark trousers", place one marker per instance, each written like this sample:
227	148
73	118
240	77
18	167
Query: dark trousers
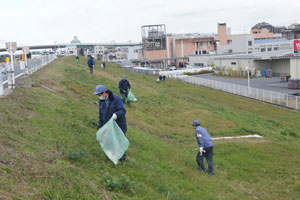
91	70
124	98
208	154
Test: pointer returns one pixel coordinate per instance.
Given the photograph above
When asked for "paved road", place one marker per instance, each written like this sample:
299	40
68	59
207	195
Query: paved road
18	74
272	84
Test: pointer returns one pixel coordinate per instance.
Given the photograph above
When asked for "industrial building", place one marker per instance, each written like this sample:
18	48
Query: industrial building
267	30
263	37
160	50
292	32
224	36
280	62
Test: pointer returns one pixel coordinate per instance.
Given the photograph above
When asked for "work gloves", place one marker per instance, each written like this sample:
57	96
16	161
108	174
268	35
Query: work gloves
114	116
201	150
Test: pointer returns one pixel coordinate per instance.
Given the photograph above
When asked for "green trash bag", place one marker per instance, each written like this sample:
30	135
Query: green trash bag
130	96
112	140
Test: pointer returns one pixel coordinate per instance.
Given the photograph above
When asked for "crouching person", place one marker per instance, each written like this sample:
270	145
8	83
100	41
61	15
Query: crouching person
110	105
205	148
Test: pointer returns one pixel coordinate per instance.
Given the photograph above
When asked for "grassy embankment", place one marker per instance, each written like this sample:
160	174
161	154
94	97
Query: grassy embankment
48	148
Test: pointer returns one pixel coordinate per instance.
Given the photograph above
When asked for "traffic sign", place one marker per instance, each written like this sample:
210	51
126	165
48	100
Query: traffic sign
296	46
11	47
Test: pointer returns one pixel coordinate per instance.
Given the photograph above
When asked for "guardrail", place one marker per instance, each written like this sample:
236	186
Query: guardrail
32	66
277	98
36	64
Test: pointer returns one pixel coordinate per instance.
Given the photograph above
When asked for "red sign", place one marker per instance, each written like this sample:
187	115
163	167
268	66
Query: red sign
296	45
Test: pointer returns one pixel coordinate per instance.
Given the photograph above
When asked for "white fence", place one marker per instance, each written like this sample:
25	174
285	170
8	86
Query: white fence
33	65
277	98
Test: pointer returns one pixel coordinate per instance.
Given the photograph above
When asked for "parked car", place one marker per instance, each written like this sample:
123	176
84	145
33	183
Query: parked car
172	68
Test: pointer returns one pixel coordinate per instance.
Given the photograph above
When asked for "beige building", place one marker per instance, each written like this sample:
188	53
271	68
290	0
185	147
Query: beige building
161	50
260	39
224	36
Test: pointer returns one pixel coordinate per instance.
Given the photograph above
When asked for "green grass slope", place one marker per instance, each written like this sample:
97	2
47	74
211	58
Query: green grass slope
48	148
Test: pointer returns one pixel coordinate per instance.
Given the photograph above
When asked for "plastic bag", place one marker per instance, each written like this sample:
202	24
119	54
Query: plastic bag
112	140
130	96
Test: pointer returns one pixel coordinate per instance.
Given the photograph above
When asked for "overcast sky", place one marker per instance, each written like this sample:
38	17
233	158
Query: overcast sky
31	22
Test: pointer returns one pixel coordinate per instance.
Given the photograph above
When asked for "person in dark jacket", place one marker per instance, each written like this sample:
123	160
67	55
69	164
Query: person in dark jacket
205	147
124	85
91	64
104	64
160	78
110	105
77	59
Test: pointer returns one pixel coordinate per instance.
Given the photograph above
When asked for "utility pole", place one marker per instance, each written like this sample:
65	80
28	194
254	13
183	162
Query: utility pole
247	68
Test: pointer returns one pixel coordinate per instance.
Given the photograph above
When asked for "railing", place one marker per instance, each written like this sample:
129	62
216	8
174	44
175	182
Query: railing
33	65
286	100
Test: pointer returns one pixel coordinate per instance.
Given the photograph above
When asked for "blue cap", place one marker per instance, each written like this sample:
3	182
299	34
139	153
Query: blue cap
123	77
196	123
100	89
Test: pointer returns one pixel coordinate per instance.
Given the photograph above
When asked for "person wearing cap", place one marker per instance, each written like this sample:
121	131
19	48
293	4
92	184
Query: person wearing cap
124	85
205	148
110	105
91	64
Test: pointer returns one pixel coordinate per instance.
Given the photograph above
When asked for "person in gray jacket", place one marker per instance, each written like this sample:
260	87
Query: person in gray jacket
205	144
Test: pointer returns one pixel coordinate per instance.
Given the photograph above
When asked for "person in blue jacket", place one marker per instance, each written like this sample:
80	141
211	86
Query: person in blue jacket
91	64
110	105
205	144
124	86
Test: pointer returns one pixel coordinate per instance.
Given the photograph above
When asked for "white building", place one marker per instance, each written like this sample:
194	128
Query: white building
201	60
99	52
115	56
238	44
133	52
268	45
280	62
71	50
247	44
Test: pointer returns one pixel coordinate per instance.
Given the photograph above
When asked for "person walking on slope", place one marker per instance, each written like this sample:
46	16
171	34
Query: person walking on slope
91	64
205	144
110	105
124	85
